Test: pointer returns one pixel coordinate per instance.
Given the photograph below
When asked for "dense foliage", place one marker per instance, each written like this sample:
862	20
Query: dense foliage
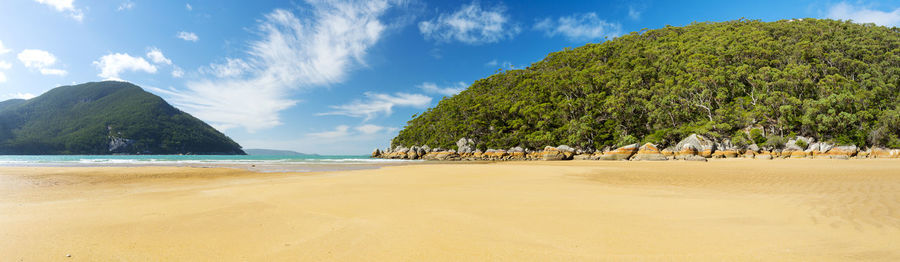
83	119
834	80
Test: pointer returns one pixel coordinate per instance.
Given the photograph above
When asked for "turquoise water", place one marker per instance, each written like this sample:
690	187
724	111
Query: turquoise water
254	162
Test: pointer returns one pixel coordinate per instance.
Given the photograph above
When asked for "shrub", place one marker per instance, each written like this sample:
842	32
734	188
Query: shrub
757	136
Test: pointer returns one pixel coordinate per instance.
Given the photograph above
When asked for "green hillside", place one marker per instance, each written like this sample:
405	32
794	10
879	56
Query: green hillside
747	81
105	118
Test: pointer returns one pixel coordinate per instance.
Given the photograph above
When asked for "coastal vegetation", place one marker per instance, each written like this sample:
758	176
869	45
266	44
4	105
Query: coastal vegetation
744	81
104	118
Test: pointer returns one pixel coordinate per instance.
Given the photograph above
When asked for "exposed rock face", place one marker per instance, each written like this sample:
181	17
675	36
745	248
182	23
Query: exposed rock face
648	152
119	144
465	145
841	152
704	146
622	153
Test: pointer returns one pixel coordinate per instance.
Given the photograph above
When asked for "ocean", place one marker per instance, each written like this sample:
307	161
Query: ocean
259	163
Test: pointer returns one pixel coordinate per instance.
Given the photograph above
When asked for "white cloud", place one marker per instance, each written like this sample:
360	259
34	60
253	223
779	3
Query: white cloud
40	60
157	56
377	103
112	65
447	90
177	72
293	54
579	27
2	77
188	7
127	5
3	49
471	25
232	67
67	6
187	36
36	59
862	14
18	95
344	131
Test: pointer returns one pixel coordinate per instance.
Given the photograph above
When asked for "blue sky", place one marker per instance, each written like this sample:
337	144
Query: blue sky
330	77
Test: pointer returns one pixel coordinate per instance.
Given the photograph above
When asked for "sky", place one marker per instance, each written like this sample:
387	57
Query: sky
330	77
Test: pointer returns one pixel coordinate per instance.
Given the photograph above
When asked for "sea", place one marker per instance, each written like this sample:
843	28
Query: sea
258	163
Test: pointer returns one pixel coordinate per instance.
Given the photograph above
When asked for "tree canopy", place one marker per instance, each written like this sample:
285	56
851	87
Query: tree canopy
834	80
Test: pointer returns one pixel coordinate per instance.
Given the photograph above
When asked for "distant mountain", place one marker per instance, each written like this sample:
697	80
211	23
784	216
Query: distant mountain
274	152
107	117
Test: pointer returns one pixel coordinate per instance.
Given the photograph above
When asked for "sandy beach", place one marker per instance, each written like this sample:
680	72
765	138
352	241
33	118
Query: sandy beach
733	210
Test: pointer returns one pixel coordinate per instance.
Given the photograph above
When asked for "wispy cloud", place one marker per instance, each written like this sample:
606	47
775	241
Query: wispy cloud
188	7
293	53
232	67
378	103
471	24
863	14
112	65
187	36
65	6
40	60
579	27
634	12
127	5
342	139
451	90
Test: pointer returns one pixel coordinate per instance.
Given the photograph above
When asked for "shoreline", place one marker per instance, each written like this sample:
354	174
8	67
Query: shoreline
731	209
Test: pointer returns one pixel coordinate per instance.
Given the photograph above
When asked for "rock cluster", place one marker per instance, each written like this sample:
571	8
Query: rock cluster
692	148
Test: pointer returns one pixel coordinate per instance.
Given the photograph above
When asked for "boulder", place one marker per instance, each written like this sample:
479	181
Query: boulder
749	154
704	146
477	154
841	152
444	156
552	153
799	154
694	158
582	157
765	155
754	148
686	151
880	152
622	153
669	152
465	145
648	152
376	153
567	151
863	154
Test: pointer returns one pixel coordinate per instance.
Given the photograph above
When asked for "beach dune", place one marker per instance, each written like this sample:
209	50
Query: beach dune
734	210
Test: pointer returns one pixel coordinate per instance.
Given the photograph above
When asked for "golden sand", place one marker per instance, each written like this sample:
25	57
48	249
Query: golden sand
805	210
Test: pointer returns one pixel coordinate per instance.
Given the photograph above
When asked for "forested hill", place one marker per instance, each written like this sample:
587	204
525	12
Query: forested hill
105	118
833	80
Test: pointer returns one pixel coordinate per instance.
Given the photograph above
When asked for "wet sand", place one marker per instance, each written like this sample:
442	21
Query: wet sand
733	210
